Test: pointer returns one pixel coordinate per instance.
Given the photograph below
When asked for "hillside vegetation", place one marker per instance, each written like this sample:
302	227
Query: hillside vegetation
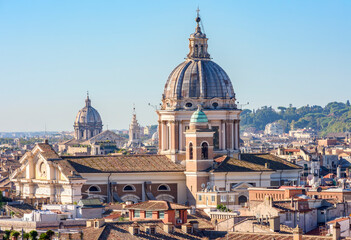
334	117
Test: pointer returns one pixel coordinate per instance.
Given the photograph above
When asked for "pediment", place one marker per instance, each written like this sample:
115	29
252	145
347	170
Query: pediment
242	185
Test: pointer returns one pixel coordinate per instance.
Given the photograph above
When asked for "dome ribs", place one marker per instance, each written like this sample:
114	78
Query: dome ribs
203	88
180	81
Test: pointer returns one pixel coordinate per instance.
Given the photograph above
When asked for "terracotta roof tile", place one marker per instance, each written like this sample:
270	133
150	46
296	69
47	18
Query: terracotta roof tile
119	230
254	162
130	163
270	236
47	151
154	205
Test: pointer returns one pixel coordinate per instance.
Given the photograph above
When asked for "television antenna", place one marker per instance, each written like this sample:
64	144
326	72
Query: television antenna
153	106
243	104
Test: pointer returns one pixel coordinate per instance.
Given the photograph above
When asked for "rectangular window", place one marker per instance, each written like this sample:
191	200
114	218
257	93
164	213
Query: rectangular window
213	198
200	197
288	216
148	214
161	214
215	137
231	198
223	198
177	214
136	213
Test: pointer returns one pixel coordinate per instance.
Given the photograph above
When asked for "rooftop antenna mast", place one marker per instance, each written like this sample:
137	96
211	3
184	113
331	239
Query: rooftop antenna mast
133	108
153	106
243	105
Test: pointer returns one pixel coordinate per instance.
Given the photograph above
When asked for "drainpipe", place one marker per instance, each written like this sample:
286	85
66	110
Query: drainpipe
299	177
280	178
108	188
260	177
225	182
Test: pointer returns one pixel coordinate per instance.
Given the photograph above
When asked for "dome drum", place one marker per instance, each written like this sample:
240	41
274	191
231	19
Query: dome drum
192	103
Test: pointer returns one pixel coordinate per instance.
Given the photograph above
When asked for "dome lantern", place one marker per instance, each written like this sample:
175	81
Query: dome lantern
198	42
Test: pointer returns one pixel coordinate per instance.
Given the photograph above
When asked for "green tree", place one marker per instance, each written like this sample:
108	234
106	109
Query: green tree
7	235
43	236
50	234
14	235
33	235
26	236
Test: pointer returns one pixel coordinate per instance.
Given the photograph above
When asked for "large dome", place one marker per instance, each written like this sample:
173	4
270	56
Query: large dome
88	114
198	80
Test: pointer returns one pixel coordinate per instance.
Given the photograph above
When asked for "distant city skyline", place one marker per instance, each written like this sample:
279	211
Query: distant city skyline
52	53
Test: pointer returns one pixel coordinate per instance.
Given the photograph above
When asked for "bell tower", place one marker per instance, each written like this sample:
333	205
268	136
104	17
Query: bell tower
199	153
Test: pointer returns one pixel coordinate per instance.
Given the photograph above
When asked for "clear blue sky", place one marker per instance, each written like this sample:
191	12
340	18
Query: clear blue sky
275	52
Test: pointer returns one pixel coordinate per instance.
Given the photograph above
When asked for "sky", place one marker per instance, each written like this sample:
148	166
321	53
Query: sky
275	52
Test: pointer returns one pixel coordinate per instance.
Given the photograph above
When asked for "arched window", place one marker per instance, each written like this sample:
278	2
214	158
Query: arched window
163	187
204	150
196	50
242	200
191	151
129	188
94	189
202	50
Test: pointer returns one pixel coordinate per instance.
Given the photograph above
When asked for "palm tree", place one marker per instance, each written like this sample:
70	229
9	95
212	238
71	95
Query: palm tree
33	235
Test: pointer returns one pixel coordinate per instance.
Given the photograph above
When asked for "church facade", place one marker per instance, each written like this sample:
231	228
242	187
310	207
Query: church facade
198	156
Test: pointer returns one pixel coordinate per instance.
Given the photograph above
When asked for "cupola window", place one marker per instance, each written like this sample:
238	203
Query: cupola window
214	105
204	150
188	105
190	151
163	187
129	188
94	189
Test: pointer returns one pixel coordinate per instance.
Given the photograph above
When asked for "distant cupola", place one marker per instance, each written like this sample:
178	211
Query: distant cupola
88	122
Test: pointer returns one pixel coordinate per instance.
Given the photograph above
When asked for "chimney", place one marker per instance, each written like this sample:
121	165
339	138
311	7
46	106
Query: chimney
274	224
336	231
338	172
195	224
134	229
187	228
150	229
168	227
297	233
